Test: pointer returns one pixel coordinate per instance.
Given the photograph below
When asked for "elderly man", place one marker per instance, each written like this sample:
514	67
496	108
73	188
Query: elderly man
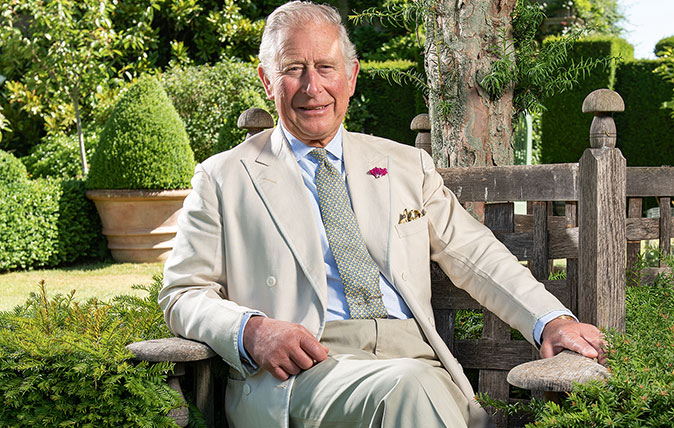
302	258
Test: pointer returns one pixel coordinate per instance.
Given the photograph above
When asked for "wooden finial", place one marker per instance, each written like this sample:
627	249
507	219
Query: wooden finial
602	103
255	120
422	124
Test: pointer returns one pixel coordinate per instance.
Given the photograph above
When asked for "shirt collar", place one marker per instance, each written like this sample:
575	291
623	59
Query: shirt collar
301	150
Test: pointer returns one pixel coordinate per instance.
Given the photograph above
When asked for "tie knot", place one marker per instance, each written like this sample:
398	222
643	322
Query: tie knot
320	155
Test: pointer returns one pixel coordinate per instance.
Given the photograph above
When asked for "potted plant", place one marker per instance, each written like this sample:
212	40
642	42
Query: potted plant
140	174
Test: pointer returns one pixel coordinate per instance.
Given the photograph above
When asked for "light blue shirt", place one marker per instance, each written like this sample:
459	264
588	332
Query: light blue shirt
338	308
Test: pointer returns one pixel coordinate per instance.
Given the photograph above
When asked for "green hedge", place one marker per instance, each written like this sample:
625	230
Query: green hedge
645	129
565	128
64	364
144	144
47	223
11	169
384	109
210	98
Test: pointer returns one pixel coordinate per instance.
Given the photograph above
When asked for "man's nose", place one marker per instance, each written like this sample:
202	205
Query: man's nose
311	82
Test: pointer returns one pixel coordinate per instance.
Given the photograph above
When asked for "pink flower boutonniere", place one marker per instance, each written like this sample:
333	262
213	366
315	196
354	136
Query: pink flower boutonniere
378	172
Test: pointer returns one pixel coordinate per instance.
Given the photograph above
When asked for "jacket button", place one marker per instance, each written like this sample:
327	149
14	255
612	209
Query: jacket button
246	389
404	276
271	281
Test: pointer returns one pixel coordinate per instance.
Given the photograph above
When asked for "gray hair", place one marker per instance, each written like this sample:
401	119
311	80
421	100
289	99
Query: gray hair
296	14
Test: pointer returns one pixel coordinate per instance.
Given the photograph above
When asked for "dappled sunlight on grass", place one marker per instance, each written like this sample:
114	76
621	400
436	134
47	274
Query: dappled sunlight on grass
102	280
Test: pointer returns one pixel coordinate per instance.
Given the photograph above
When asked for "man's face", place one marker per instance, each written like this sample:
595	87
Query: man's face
312	89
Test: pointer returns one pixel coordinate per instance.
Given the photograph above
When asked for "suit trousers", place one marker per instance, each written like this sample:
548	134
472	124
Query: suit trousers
379	373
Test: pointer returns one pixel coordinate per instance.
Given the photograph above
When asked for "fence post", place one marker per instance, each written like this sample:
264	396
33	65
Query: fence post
601	212
422	124
254	120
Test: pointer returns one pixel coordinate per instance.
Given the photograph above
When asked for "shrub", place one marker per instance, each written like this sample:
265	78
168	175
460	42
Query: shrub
210	98
662	46
645	130
46	223
640	390
59	156
144	144
11	169
370	110
65	364
565	127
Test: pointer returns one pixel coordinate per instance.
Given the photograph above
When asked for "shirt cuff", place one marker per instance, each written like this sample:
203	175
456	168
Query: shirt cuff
544	320
242	350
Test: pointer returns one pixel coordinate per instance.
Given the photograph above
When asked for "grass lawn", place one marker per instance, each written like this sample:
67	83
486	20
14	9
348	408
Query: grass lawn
103	280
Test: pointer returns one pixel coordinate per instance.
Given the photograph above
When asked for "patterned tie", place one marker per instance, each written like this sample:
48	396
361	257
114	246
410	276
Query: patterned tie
359	273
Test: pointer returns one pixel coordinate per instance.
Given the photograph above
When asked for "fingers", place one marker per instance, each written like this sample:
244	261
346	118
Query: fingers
584	339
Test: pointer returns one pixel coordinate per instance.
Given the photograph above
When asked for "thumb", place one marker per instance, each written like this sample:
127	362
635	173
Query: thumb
547	350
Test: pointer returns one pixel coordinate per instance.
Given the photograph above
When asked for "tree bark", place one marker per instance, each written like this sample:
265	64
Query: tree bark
467	127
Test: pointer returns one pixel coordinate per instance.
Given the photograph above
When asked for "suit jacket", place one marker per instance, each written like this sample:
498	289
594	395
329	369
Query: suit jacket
247	240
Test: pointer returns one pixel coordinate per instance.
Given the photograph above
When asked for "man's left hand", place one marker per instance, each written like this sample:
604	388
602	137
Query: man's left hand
585	339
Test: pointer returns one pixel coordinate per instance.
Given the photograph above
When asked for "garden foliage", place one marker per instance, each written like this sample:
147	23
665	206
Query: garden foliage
11	169
210	98
144	144
640	390
64	363
58	156
47	222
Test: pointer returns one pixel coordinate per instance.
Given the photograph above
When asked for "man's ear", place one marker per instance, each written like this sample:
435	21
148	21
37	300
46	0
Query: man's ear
354	77
265	82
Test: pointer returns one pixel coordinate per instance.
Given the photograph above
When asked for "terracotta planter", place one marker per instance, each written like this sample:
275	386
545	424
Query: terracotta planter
140	224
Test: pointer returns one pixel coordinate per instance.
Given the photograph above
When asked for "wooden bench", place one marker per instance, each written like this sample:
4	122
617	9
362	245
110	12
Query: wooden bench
593	237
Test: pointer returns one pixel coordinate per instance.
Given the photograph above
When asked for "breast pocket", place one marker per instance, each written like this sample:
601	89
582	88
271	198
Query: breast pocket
412	227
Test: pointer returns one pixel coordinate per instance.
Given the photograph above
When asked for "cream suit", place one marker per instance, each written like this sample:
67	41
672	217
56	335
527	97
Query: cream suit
247	240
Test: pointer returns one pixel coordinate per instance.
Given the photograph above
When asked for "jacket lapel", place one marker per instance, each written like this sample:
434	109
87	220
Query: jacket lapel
276	177
370	197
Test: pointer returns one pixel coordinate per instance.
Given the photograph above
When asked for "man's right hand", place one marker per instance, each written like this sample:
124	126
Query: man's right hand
280	347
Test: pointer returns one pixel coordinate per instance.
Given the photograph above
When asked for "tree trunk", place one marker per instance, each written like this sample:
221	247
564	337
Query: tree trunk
80	137
468	128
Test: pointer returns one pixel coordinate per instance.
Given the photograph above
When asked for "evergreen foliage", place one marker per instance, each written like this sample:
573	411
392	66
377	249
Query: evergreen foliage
640	390
58	156
564	126
144	144
210	98
645	129
47	223
536	72
380	86
11	169
662	45
64	363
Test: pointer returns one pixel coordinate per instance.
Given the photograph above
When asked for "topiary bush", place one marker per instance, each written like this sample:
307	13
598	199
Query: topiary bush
662	45
144	144
59	156
11	169
47	222
210	98
64	363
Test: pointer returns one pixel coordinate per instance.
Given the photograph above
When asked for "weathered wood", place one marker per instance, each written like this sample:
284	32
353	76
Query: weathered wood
422	124
665	235
447	296
650	181
501	218
571	220
492	354
639	229
444	324
513	183
601	212
558	373
204	390
539	265
175	349
634	208
254	120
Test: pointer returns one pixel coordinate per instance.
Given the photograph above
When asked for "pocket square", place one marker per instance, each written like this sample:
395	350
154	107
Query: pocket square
410	215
